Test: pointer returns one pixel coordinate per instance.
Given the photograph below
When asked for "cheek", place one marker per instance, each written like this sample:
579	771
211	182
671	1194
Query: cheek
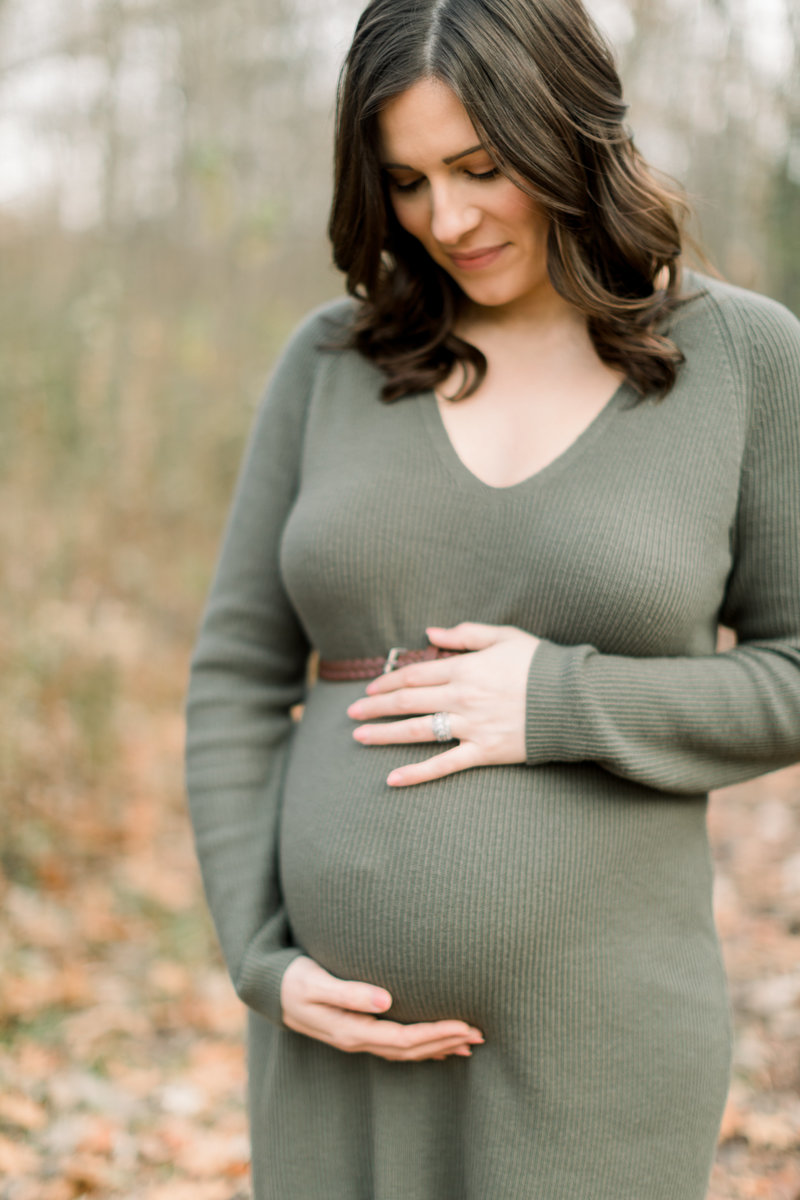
411	217
518	209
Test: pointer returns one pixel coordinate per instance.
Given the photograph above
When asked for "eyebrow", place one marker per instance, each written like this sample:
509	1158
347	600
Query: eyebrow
451	158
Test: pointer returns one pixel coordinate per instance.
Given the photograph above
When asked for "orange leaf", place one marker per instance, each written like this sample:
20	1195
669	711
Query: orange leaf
21	1111
88	1172
98	1137
16	1160
772	1131
732	1119
215	1154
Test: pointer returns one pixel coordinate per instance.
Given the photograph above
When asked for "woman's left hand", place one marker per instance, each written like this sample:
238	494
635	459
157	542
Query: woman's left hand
482	692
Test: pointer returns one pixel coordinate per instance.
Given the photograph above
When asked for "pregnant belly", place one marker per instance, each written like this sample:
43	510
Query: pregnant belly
454	894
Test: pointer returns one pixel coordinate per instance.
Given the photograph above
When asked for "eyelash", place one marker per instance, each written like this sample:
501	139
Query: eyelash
485	176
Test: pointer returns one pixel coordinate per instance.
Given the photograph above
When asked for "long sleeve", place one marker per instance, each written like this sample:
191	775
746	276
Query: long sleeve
248	669
688	724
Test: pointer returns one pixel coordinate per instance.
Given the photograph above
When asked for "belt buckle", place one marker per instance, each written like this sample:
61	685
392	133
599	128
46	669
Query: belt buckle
390	662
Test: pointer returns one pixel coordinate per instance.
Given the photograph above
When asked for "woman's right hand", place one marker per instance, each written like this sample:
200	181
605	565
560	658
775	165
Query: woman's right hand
341	1013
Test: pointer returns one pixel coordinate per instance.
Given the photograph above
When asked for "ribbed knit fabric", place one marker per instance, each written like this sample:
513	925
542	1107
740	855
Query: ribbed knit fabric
564	905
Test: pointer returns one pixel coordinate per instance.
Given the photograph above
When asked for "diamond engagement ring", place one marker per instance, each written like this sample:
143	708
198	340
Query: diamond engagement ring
441	727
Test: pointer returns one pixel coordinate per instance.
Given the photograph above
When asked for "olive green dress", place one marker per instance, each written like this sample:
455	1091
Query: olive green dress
563	906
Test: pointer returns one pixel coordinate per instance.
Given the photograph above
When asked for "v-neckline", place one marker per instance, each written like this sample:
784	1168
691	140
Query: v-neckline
437	430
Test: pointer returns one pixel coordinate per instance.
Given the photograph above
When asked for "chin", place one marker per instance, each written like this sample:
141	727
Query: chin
489	297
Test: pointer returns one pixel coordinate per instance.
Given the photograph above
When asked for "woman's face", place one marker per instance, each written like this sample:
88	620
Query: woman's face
447	192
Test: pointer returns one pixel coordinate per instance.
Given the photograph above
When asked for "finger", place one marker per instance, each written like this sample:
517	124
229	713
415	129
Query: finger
424	674
440	1049
462	1051
414	1053
349	994
417	1034
354	1032
469	635
460	758
355	1035
396	1039
396	733
428	1051
401	703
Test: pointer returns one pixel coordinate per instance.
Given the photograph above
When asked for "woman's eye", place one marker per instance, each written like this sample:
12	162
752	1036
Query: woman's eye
397	186
404	187
492	174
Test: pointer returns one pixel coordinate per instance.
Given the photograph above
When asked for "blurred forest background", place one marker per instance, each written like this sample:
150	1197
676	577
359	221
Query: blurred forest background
163	194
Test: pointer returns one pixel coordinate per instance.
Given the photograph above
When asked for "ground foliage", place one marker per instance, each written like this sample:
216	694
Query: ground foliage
121	1061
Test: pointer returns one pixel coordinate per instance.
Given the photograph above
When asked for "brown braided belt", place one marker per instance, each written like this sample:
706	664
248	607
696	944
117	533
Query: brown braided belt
340	670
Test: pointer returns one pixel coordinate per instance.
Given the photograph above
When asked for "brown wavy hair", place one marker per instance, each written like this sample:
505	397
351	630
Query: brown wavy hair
539	84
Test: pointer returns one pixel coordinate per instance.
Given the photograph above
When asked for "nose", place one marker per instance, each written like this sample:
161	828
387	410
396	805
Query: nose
452	214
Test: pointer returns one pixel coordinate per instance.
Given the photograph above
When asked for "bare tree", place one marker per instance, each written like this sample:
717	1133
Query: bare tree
708	112
207	119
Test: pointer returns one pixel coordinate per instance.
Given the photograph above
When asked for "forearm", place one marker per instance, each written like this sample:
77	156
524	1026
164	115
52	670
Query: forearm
238	736
682	725
248	670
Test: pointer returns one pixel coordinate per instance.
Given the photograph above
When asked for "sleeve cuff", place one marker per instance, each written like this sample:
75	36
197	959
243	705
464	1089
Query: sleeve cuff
259	983
552	731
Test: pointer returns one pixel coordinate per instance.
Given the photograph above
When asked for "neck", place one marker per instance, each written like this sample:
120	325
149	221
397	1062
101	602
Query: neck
540	317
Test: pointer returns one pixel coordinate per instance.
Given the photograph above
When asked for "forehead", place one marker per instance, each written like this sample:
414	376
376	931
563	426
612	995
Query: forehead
427	122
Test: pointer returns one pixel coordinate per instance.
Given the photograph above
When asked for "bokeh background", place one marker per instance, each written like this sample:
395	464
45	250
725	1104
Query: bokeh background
164	181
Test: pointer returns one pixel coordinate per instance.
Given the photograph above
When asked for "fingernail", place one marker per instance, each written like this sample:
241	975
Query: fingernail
381	1001
355	709
464	1052
476	1040
394	778
361	734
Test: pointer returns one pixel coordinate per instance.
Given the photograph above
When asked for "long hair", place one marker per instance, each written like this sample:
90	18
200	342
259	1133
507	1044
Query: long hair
539	84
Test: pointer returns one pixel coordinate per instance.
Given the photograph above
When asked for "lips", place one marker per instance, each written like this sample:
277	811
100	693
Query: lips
473	260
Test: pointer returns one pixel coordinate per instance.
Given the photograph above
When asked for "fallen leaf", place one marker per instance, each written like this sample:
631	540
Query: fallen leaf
153	1149
36	919
169	977
218	1068
98	1137
19	1110
67	986
182	1099
87	1172
136	1081
171	890
16	1159
193	1190
81	1089
36	1062
56	1189
85	1029
215	1154
769	996
772	1131
45	1189
732	1120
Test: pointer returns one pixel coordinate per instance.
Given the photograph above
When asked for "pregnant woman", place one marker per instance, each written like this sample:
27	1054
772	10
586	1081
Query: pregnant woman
540	454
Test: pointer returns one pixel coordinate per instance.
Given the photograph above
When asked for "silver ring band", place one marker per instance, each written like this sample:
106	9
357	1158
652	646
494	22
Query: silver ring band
441	727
